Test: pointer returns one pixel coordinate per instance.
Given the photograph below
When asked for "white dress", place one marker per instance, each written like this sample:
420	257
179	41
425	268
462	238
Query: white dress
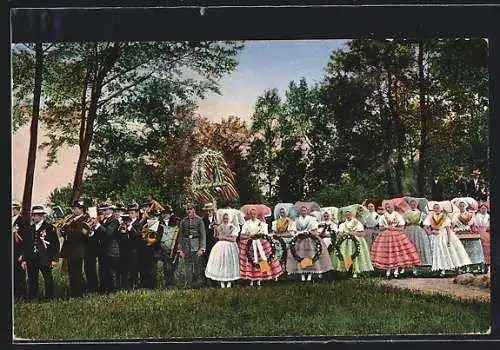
441	253
224	260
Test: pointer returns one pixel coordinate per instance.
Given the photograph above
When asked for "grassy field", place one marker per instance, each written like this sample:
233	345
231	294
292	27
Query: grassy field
287	308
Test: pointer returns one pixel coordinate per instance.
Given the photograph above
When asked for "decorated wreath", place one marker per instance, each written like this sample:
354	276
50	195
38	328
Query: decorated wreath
283	248
260	236
341	240
300	236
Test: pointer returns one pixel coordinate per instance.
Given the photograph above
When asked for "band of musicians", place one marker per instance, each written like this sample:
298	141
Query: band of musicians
107	248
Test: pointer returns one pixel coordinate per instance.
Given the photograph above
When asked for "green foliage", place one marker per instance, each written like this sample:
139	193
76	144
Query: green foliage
361	307
60	196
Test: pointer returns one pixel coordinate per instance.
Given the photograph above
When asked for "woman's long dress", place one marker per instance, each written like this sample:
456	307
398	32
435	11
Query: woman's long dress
392	248
224	259
247	270
483	225
282	244
463	222
361	263
418	236
306	248
441	255
371	228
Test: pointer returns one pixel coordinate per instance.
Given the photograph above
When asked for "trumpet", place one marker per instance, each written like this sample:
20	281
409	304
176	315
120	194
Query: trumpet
124	224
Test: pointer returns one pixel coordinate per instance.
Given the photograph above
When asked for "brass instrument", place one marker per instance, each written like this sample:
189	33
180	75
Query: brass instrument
61	225
153	205
88	224
174	255
124	224
148	235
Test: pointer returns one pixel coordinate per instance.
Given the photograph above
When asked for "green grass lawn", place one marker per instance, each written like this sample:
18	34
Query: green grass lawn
286	308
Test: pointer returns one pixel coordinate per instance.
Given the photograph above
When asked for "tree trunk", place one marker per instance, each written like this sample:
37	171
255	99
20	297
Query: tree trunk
423	123
30	169
87	127
86	142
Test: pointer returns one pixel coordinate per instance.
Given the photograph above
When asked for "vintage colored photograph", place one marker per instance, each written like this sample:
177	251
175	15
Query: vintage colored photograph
231	189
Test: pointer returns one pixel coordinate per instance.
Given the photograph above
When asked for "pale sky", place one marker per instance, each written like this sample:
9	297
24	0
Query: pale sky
262	65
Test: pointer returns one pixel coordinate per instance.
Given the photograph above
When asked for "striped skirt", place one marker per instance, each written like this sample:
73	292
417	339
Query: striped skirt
392	249
249	272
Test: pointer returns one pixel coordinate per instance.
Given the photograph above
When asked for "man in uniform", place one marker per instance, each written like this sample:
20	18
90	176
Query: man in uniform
192	246
476	187
73	249
107	232
40	254
134	237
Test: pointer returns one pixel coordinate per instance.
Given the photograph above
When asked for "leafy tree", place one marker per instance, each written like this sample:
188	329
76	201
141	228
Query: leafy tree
96	78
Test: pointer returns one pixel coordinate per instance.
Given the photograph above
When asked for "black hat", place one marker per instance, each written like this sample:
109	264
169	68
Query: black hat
78	204
132	207
153	213
167	209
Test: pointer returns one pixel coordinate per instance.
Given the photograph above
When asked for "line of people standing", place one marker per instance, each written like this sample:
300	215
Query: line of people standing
110	252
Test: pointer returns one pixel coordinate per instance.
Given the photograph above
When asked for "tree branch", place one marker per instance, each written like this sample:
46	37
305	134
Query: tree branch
103	102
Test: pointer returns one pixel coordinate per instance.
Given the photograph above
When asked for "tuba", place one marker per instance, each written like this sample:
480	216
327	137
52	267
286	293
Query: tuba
148	235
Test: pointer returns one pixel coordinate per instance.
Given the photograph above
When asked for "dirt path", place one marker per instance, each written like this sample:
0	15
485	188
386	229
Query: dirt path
440	286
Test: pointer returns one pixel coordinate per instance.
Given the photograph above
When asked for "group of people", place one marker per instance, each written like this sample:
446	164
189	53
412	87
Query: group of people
120	248
449	236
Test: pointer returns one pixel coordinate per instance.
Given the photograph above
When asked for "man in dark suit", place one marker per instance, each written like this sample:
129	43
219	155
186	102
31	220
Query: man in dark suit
106	231
134	237
19	273
148	249
75	233
41	252
436	189
92	252
192	246
210	222
476	187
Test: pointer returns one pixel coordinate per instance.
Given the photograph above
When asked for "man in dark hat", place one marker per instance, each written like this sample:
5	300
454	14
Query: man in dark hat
106	230
73	250
476	187
192	246
40	253
210	222
131	250
19	273
147	249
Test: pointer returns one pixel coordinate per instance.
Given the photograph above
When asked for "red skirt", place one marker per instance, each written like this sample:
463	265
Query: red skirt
392	249
485	242
248	272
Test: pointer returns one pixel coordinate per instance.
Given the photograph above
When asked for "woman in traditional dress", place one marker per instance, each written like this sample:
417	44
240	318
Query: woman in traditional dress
223	262
258	267
371	222
483	226
306	249
417	235
327	228
392	249
282	230
362	262
463	225
438	227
